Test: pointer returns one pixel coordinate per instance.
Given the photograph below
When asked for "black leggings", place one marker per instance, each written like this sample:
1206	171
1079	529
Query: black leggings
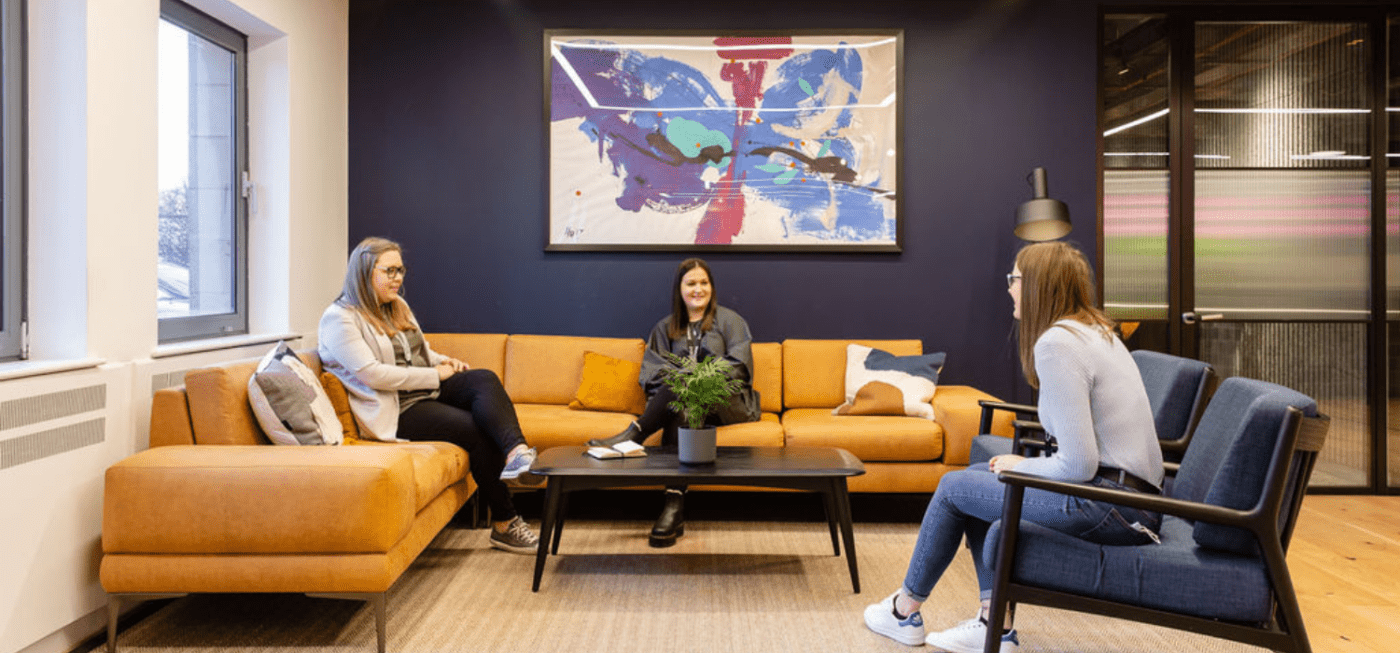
473	412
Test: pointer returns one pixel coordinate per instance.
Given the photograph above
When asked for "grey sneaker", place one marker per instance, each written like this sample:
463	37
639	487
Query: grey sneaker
517	538
518	465
880	618
968	637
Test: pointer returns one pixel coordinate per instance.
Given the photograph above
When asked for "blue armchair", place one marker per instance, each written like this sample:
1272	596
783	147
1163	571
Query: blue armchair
1227	519
1177	388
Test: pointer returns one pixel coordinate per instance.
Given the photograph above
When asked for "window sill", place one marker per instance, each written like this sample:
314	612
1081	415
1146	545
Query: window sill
214	344
23	369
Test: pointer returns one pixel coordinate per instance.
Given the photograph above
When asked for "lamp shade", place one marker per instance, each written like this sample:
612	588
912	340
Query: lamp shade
1042	218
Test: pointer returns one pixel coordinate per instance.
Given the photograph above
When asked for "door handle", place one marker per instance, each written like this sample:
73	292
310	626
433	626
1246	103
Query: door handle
1190	317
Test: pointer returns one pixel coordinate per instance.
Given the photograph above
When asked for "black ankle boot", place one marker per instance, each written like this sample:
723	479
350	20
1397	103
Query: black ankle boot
633	433
671	524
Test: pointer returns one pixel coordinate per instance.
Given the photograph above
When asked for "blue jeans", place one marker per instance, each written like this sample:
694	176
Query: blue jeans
968	501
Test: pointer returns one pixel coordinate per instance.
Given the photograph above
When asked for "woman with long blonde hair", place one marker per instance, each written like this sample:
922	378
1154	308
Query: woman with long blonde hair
1092	402
400	389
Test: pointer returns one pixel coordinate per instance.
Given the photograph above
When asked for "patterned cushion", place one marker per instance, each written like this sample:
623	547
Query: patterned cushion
289	402
880	383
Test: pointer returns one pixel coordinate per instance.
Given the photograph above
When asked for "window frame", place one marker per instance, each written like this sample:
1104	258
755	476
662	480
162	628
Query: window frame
177	329
13	154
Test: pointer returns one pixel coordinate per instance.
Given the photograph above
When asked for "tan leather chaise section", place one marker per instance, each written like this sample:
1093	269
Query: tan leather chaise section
956	408
814	371
480	350
310	572
200	499
547	369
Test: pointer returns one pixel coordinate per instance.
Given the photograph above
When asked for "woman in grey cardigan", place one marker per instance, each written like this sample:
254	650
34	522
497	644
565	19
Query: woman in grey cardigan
400	389
696	328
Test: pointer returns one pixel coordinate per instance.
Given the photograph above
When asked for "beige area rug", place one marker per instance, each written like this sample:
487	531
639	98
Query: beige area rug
741	587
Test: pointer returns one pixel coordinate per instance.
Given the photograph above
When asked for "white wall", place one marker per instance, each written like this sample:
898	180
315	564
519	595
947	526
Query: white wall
92	260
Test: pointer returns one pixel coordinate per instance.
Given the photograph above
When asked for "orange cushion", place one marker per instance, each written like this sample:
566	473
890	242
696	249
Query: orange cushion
341	402
609	384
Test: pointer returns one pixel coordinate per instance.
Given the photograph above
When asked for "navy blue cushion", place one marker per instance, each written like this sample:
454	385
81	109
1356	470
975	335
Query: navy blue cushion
1176	575
1253	411
1171	383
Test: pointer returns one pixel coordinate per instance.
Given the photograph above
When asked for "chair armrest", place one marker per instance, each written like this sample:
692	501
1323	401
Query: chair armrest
1031	439
1155	503
1021	410
1171	468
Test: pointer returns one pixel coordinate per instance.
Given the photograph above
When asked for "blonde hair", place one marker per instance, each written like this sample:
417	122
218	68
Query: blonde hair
358	292
1056	284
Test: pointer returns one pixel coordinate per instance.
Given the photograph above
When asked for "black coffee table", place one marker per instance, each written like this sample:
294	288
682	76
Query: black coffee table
815	469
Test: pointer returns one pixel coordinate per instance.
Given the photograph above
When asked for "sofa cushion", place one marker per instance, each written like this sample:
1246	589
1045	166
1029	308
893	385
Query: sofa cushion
548	369
289	402
814	371
766	432
556	425
868	437
1147	576
768	375
340	401
880	383
436	465
609	384
218	401
486	351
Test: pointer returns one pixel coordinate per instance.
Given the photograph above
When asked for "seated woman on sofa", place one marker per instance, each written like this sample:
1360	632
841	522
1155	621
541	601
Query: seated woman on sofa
696	328
1091	400
400	388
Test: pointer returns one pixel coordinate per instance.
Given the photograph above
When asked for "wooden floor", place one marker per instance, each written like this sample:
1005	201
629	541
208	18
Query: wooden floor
1345	561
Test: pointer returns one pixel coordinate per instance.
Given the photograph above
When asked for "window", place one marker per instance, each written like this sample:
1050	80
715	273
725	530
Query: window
202	279
12	135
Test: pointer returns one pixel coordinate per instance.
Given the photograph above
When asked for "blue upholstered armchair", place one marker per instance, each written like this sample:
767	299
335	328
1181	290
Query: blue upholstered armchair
1227	519
1177	388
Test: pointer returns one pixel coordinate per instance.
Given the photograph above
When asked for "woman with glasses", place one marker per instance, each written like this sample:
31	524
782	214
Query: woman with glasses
1091	400
400	389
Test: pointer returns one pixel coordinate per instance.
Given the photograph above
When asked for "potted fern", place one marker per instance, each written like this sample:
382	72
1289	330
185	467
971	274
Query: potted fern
700	387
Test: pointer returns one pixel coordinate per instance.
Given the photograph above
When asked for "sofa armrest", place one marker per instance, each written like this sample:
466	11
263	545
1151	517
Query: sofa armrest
170	418
956	408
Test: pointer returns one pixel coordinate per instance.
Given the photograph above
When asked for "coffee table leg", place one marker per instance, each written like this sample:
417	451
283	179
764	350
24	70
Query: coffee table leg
553	491
842	499
559	523
829	504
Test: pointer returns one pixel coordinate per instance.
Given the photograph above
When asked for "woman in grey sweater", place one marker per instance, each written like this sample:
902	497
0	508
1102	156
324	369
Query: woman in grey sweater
696	328
1091	400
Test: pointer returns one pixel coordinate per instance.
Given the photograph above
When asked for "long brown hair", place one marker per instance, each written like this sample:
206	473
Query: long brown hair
359	294
680	314
1056	284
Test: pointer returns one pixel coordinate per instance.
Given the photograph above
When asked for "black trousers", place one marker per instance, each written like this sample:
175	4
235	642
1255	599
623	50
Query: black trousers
473	412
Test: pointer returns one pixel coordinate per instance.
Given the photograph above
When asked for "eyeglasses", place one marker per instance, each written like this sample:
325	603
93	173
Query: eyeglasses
1012	278
395	272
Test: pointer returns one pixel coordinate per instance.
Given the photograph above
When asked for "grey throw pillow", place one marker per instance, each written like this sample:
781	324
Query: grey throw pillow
289	402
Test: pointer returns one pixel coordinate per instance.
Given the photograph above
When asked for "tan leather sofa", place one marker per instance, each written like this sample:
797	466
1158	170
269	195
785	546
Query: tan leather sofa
245	516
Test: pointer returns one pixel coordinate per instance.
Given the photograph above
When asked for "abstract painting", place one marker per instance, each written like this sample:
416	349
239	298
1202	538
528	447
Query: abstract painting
747	141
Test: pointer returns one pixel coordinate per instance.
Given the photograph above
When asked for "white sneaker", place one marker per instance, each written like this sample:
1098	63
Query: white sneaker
969	636
880	618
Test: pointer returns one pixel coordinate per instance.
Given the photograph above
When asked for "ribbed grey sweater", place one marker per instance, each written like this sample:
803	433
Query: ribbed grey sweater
1092	400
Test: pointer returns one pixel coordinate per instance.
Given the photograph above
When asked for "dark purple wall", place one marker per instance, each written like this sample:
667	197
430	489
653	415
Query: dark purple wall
447	156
